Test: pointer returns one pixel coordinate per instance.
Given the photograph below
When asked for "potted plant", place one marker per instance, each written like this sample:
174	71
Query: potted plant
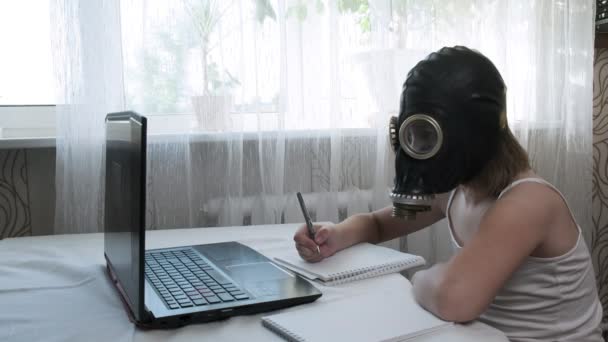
214	103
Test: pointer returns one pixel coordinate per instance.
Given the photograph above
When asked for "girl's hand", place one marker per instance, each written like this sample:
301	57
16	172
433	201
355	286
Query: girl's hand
326	238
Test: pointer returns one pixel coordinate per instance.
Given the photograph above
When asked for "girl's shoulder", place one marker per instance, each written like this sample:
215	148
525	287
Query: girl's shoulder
533	190
540	203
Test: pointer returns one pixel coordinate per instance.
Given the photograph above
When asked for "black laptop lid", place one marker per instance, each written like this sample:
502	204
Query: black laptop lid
125	204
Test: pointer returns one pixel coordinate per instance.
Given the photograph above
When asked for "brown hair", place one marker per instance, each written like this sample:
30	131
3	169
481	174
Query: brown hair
510	160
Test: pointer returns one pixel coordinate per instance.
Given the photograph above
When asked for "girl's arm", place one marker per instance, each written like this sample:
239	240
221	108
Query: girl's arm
380	225
374	227
461	289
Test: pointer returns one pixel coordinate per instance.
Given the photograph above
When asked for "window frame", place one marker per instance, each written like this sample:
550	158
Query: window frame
27	126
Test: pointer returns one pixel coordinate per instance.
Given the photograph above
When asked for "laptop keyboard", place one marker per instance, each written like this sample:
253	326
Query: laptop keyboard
183	279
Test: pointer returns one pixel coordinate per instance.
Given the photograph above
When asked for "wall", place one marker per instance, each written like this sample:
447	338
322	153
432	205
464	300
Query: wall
599	240
27	192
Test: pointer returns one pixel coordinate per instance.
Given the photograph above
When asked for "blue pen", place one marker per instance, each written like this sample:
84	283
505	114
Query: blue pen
311	230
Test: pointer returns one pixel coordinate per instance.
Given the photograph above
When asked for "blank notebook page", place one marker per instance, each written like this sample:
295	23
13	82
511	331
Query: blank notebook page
388	316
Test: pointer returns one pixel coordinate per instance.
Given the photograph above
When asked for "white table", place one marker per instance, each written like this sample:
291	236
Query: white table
55	288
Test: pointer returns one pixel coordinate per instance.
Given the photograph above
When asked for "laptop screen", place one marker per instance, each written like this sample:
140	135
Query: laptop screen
125	204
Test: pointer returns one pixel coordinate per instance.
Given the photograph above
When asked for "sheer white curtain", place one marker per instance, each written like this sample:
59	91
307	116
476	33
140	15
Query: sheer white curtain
87	55
250	101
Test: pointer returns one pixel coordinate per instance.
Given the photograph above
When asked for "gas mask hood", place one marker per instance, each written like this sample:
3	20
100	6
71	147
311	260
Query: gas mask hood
448	126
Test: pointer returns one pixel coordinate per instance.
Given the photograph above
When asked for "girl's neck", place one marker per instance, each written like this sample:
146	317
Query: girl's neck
474	196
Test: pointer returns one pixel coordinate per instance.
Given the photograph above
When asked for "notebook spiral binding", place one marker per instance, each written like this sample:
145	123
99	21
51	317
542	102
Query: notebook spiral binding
279	330
367	272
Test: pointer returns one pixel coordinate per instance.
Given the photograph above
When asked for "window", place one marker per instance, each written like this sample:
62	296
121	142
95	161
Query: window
191	61
229	65
251	65
254	64
25	61
26	81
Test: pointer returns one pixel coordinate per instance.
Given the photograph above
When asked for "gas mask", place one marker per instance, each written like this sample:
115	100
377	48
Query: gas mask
449	124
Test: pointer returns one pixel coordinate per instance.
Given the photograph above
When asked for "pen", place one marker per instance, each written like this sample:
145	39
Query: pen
311	230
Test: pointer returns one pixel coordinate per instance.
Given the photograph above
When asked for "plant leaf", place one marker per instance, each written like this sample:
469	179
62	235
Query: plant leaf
263	10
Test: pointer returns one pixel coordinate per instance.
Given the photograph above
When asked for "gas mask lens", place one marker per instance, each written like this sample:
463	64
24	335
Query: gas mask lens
420	136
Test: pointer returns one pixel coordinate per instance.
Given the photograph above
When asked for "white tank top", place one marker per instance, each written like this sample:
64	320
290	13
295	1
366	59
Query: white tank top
546	299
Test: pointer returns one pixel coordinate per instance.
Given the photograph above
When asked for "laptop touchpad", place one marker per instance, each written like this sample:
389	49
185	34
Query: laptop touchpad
254	272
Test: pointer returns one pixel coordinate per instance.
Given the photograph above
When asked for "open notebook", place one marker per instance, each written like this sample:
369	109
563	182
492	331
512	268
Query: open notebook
375	316
357	262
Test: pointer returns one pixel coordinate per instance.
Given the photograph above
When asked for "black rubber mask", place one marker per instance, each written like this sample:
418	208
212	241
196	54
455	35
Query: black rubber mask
448	126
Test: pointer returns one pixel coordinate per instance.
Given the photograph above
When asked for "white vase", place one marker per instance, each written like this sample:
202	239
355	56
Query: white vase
212	112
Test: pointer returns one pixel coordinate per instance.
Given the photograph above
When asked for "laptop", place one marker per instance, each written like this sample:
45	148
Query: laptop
172	287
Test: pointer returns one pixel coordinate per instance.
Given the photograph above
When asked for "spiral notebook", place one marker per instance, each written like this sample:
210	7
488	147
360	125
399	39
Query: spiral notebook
376	316
354	263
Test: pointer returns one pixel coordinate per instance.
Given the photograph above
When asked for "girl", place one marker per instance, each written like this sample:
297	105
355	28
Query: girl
521	264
